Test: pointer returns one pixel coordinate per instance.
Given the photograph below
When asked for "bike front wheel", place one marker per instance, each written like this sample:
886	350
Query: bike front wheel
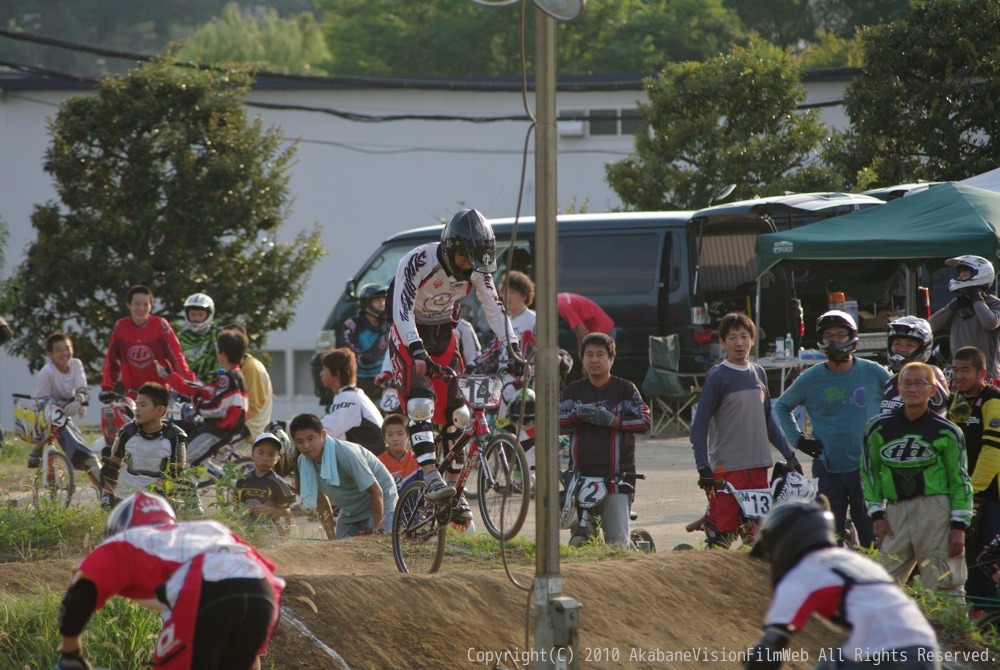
418	532
54	479
642	535
504	486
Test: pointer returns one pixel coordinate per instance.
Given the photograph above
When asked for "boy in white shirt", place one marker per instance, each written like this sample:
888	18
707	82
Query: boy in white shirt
62	382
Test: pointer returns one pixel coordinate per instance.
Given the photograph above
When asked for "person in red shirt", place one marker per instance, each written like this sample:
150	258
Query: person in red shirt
584	316
137	341
219	597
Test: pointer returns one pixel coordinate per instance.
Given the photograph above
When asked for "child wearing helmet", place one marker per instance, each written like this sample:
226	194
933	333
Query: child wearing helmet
366	334
199	335
841	396
218	596
909	340
972	318
810	574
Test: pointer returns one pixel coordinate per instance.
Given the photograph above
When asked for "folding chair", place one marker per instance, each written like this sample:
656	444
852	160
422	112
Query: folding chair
670	393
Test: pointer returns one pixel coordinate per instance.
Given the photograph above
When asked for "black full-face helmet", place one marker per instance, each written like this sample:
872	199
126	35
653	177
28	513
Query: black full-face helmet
370	292
469	234
789	532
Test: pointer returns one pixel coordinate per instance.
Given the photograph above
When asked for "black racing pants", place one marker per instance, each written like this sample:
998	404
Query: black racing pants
234	621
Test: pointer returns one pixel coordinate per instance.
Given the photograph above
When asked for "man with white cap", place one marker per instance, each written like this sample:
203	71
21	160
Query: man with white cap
841	396
973	316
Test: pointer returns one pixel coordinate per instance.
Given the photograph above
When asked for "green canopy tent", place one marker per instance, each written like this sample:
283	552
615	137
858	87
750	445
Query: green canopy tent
947	220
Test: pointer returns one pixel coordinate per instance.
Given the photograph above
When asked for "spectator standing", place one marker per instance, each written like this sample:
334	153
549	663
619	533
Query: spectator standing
910	339
603	413
917	487
734	429
841	396
352	416
973	317
199	335
584	316
137	342
975	408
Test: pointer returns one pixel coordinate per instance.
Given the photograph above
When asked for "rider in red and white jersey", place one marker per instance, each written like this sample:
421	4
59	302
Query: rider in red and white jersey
424	296
218	596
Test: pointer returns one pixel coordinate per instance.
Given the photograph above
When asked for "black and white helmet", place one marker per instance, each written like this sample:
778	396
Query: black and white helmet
199	301
789	532
914	328
982	272
835	318
470	234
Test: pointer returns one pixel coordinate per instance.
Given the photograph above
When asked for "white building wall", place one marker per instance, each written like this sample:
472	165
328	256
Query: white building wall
361	182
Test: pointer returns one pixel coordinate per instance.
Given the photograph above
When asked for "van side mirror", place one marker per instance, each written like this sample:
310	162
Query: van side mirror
352	288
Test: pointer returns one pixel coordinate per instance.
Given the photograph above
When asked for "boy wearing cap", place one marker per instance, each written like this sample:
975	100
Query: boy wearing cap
263	491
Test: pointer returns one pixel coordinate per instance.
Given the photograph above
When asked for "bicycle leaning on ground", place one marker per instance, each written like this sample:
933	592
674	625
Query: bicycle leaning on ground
39	421
420	526
754	504
582	495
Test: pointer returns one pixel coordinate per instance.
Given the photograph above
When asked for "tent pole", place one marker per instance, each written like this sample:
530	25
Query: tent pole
911	292
756	318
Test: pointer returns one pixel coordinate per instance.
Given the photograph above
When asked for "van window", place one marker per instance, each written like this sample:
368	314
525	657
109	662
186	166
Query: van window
727	261
609	264
383	266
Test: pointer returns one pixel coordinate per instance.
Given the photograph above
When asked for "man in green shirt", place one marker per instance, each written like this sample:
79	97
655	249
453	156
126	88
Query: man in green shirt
917	486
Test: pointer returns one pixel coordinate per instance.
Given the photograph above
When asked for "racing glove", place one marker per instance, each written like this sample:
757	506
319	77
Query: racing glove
516	363
73	660
809	447
975	294
107	396
793	463
963	300
594	415
383	379
706	479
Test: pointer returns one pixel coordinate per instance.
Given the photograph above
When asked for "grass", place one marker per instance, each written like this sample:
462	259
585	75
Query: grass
950	619
121	635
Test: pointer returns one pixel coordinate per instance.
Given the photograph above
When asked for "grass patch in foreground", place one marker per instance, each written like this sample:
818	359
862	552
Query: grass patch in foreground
951	620
121	635
48	530
521	550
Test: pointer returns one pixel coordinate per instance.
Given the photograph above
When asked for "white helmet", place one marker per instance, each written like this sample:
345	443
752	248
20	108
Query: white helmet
199	301
914	328
982	272
835	318
518	406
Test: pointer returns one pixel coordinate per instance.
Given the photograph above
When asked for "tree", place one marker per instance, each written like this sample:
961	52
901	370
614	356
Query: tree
729	120
843	17
403	38
828	50
926	105
294	45
162	180
782	22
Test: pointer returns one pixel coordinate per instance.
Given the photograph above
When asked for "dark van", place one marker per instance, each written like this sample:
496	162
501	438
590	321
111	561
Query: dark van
654	273
634	265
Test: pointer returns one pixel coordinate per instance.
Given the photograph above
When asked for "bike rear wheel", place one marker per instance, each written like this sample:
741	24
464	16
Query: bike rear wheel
504	486
54	479
418	531
642	535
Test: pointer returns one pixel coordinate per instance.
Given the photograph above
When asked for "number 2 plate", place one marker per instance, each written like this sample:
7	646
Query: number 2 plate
755	502
591	492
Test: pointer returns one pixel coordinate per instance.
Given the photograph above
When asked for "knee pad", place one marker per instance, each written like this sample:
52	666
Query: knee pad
460	417
420	409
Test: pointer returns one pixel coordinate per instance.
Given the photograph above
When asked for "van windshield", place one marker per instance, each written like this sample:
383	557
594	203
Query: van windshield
382	267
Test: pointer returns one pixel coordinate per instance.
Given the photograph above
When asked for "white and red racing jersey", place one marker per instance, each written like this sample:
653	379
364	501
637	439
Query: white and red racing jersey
133	350
223	403
425	294
855	592
135	562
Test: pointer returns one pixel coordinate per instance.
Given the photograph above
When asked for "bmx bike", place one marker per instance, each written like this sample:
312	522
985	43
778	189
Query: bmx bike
420	526
583	495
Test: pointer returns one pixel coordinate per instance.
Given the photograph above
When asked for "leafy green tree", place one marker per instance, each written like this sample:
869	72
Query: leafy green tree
731	119
782	22
161	180
926	106
460	38
828	50
294	45
843	17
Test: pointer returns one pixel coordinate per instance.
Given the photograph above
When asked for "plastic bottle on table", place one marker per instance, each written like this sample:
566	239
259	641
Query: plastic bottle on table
789	346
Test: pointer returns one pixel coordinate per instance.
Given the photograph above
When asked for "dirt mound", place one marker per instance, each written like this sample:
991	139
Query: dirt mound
638	612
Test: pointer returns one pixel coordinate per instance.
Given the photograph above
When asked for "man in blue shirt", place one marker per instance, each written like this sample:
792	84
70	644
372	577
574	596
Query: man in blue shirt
349	475
840	396
734	429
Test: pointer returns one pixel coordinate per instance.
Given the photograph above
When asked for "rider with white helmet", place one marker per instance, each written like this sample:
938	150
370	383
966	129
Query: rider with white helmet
972	318
199	335
910	339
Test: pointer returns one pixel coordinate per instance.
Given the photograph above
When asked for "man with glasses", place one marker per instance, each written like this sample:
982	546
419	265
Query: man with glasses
975	408
917	487
841	396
